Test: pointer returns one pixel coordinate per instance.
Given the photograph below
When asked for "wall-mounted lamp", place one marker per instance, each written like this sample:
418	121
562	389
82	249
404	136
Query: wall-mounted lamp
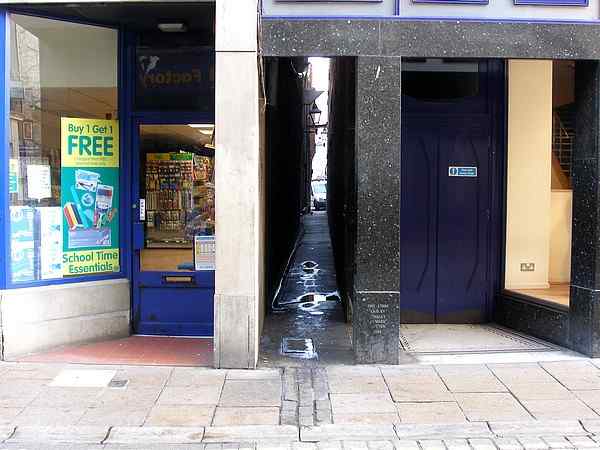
315	114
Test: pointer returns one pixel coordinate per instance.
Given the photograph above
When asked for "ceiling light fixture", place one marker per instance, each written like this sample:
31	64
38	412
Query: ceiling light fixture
172	27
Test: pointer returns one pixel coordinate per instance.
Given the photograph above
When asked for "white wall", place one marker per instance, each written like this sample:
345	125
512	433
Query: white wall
529	172
73	55
560	236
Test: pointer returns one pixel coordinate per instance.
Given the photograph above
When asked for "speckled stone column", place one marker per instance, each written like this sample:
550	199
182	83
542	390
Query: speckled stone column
584	315
376	308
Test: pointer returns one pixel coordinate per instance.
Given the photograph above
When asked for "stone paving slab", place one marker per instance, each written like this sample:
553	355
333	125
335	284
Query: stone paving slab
251	393
225	416
591	425
279	433
507	444
362	403
537	428
347	432
6	432
155	435
559	409
57	435
180	416
442	431
491	406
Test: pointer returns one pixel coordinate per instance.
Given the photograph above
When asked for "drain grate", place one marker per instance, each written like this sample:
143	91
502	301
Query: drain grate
298	347
118	384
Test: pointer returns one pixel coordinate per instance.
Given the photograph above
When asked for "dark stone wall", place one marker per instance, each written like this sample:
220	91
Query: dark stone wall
377	45
341	179
544	322
429	38
585	259
376	301
284	161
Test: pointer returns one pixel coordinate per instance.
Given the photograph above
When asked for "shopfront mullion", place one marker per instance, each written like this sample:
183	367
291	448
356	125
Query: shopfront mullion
4	148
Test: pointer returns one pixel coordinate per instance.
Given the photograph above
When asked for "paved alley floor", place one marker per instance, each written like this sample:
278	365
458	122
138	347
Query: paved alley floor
553	404
308	309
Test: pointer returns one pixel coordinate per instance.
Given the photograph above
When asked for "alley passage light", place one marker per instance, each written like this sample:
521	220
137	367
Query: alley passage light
206	129
315	114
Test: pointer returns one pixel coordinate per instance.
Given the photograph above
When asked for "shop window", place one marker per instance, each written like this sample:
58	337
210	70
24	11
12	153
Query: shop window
541	129
63	210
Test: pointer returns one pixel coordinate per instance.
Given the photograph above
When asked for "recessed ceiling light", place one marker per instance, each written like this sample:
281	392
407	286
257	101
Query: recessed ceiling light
172	27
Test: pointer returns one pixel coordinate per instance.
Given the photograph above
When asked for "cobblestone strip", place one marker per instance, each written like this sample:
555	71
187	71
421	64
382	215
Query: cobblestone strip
289	403
321	393
305	397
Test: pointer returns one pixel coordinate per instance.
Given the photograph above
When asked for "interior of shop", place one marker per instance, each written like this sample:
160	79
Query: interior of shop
541	130
177	183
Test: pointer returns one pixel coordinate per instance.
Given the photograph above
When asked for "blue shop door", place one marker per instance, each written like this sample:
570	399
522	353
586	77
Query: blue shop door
445	228
173	230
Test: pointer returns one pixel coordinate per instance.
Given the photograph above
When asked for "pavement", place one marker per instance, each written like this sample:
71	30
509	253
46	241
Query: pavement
313	399
552	404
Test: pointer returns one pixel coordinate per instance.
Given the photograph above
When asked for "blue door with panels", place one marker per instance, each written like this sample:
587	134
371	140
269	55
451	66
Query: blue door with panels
448	173
173	191
174	239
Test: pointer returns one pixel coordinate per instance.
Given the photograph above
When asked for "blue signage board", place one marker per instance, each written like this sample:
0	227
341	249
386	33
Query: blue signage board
462	171
553	2
454	2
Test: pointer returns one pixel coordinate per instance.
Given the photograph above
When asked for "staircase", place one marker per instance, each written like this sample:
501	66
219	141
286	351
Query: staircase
563	133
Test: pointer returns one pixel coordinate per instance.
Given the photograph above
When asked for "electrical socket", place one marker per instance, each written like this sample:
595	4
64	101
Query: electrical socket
527	267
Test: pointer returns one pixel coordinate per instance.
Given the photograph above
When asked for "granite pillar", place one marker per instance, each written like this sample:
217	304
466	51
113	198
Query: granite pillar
584	322
376	299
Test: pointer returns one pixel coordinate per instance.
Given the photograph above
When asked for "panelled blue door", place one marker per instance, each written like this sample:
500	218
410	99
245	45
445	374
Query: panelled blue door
171	297
447	176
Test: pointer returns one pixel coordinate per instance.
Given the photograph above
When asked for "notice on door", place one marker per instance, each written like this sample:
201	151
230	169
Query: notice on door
89	195
462	171
204	252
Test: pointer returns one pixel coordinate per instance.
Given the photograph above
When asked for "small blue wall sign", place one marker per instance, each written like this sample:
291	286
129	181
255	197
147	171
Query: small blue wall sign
460	171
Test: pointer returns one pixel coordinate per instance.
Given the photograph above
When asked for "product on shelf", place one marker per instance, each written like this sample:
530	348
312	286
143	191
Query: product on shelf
179	197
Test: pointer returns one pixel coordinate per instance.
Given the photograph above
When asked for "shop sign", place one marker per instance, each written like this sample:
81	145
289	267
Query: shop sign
89	195
176	80
13	176
456	171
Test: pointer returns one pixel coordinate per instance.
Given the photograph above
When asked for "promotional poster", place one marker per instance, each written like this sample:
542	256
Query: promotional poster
90	195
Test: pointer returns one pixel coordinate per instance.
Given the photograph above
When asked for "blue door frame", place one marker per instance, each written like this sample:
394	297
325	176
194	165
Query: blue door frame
158	306
451	226
161	307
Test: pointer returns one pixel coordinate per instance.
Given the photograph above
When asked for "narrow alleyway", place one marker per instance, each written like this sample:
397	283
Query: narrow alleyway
307	326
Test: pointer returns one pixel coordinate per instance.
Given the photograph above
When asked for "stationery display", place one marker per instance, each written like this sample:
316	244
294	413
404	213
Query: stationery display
179	198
